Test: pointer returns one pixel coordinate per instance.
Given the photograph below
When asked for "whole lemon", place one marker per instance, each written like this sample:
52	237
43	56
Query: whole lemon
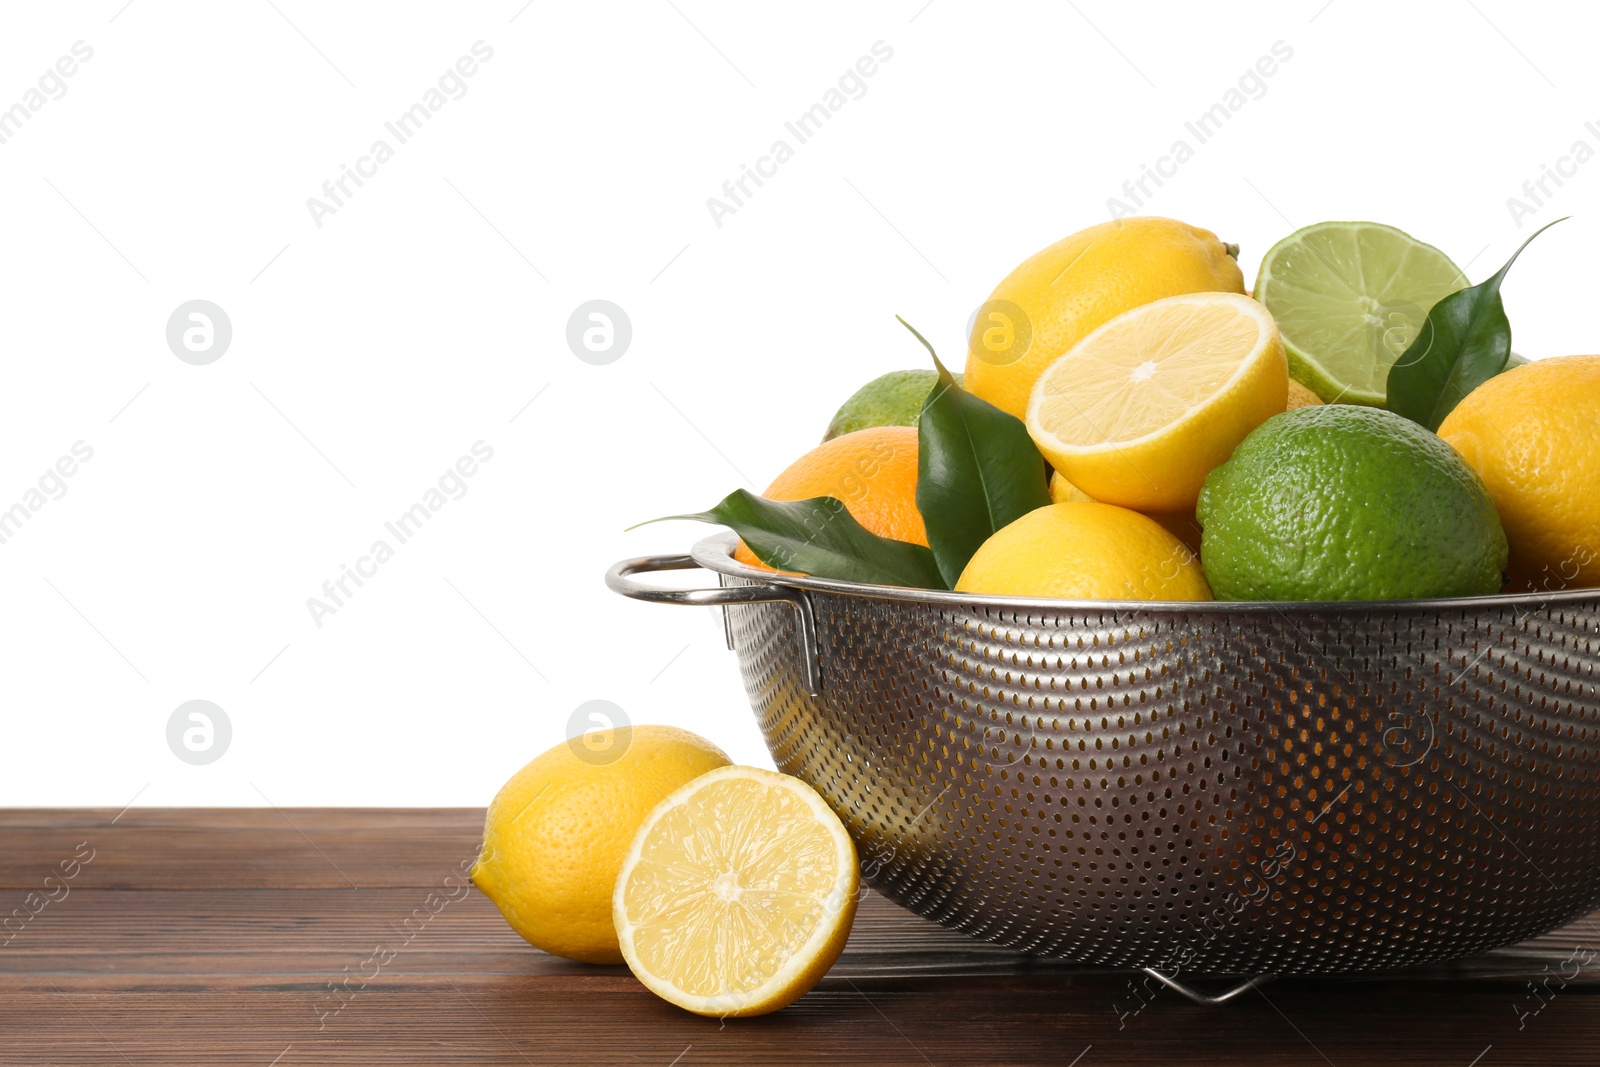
1058	296
1180	524
1085	551
872	472
1063	491
1530	435
556	834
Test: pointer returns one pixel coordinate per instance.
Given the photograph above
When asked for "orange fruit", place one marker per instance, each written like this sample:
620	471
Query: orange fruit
872	472
1300	396
1530	434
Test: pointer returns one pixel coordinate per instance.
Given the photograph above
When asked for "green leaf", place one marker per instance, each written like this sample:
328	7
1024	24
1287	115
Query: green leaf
977	470
1465	341
820	538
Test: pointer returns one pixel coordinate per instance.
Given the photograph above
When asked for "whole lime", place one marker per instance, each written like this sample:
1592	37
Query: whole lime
894	399
1348	503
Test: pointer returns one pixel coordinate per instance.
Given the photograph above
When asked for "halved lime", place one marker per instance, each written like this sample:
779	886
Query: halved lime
1350	298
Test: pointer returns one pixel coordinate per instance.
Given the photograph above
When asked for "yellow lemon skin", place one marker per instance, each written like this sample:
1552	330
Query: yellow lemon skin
1085	551
556	833
1064	492
1181	524
1530	433
1078	283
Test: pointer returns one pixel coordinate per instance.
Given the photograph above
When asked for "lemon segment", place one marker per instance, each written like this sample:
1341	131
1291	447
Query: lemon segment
737	894
1140	411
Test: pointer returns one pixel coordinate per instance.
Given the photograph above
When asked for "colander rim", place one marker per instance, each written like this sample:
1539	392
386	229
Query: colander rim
715	553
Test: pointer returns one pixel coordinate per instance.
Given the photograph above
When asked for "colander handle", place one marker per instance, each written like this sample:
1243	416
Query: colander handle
619	579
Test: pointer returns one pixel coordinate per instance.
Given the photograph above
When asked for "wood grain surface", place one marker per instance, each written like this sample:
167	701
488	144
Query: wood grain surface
298	937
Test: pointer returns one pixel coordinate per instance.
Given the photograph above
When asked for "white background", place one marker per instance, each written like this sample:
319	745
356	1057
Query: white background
368	354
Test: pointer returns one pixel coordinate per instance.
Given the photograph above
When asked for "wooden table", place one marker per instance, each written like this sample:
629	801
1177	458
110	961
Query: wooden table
346	937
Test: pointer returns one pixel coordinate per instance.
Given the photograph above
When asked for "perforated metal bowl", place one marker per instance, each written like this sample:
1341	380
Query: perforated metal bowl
1212	788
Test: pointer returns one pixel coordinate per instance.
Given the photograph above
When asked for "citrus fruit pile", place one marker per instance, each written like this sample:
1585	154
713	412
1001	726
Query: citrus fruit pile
1133	425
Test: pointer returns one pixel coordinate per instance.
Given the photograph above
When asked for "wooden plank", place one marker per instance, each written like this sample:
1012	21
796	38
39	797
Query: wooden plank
213	936
944	1021
151	936
246	848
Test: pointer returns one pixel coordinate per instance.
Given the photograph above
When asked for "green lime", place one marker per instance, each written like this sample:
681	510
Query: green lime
1341	502
1350	298
895	399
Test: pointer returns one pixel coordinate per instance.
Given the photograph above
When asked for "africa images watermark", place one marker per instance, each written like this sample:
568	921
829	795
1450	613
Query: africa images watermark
455	886
1252	85
1536	192
1254	887
52	485
54	888
735	191
403	528
409	123
52	85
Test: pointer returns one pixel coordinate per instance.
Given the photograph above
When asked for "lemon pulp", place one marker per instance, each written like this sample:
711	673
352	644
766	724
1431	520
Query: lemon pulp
738	893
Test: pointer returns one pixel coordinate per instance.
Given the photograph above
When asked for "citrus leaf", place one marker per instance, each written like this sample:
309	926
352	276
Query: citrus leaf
977	470
820	538
1465	341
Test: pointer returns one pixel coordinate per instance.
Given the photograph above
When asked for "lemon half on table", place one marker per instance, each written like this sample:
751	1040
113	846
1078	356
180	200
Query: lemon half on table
738	893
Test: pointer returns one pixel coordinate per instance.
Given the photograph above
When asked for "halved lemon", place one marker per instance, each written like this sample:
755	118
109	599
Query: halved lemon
1139	411
738	893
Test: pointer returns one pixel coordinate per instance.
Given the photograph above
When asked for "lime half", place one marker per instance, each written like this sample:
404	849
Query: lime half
1350	297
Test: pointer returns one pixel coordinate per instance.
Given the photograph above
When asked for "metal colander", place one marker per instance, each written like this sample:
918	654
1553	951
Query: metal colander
1207	788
